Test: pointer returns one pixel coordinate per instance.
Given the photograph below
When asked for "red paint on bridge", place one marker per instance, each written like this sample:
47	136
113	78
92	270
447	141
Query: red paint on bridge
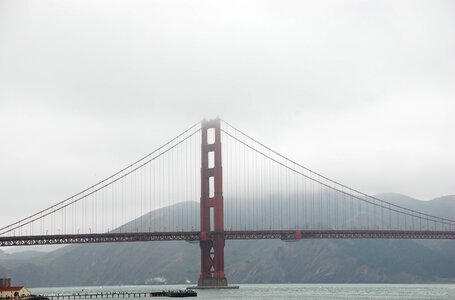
212	246
195	236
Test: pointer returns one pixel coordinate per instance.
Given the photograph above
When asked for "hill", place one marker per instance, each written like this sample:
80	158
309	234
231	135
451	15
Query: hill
263	261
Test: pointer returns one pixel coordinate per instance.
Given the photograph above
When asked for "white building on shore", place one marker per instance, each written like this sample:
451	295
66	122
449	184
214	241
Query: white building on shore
8	292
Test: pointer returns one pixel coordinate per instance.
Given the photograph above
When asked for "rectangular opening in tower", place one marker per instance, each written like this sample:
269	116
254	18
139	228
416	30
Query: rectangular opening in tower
212	218
211	186
211	136
211	159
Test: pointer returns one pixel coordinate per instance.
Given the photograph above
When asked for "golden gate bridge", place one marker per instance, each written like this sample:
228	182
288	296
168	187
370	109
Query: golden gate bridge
243	190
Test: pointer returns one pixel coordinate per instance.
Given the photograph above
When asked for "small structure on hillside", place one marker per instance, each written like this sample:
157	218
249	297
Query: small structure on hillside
9	292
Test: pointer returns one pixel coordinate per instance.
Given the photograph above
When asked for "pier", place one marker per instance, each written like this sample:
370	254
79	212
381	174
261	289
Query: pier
174	293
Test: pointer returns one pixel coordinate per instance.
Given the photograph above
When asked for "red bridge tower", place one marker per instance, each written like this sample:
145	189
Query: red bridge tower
212	244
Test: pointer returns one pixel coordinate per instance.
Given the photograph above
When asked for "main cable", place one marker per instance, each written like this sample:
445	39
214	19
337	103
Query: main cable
60	205
405	212
333	181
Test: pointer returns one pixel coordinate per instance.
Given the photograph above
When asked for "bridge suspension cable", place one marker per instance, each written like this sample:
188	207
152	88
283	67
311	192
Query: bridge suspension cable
109	181
321	198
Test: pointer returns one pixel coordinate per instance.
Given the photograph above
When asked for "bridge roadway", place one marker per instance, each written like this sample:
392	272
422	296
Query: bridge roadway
195	236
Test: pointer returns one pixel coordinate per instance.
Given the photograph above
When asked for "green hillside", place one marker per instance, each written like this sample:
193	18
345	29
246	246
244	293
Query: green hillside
261	261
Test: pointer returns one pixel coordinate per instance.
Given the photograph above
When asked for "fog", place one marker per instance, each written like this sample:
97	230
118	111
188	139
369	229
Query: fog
360	91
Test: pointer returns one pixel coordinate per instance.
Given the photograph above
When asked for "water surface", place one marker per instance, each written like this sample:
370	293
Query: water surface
288	291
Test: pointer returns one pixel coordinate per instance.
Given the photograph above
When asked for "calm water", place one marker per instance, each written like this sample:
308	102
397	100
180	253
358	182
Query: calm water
290	291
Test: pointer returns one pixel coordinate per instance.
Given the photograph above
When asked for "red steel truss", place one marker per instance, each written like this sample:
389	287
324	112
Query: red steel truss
195	236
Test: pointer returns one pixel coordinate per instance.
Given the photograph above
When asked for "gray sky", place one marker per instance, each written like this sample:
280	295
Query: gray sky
361	91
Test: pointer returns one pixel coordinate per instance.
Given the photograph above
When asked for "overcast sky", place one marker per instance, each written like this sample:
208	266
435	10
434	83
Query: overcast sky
361	91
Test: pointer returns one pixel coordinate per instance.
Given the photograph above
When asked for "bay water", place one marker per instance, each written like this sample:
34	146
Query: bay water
286	291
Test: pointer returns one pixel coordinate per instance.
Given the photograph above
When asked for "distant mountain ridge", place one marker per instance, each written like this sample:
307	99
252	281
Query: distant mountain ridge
262	261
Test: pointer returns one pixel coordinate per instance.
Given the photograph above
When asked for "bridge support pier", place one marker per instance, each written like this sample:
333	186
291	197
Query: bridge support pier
212	262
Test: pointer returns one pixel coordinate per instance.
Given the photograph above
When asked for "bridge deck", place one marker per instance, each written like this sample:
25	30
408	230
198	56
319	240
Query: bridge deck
193	236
